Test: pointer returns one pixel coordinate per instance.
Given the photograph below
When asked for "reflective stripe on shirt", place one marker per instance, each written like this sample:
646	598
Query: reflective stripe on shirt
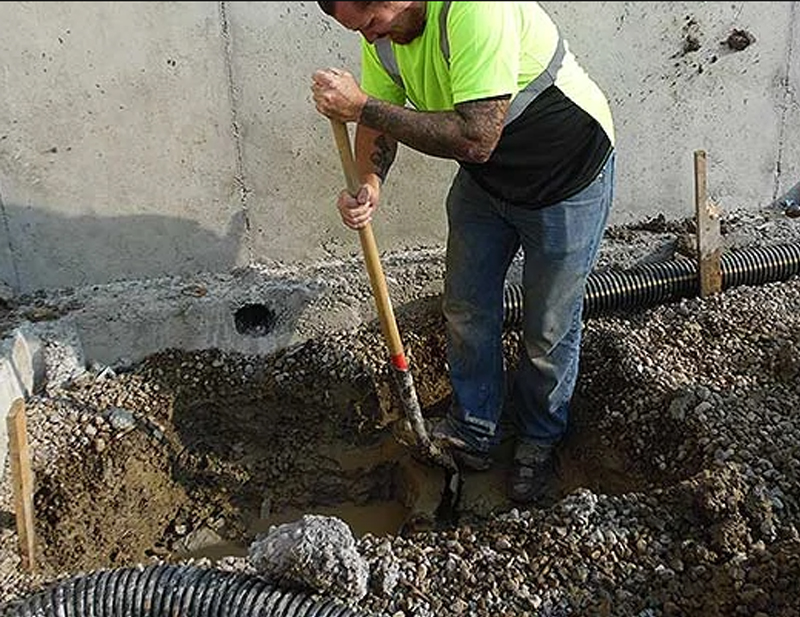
539	84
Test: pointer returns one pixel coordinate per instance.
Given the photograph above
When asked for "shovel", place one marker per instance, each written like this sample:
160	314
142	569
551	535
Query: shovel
400	369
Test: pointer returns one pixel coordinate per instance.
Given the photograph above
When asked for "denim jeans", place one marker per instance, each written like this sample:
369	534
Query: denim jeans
559	245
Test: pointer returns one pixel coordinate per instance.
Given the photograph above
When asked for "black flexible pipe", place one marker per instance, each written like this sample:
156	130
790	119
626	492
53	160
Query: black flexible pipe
661	282
172	591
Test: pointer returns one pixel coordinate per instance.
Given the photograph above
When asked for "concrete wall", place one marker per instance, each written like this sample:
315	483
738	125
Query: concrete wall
154	138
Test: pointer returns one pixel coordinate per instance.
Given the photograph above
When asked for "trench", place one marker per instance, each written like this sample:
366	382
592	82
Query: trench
225	452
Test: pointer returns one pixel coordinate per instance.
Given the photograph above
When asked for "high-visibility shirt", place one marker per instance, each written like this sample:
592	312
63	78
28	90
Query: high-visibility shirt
560	131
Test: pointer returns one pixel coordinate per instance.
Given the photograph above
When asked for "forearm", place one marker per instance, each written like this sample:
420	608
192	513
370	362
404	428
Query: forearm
375	153
445	134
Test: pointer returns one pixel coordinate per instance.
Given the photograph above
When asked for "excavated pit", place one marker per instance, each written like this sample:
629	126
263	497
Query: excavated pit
192	454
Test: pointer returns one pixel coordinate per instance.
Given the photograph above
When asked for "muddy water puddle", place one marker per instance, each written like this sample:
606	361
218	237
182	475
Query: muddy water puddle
377	519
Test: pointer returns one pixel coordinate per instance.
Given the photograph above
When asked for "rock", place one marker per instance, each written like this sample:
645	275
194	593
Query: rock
317	553
198	540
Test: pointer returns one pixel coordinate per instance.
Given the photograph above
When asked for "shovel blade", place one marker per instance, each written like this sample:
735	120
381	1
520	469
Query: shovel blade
413	413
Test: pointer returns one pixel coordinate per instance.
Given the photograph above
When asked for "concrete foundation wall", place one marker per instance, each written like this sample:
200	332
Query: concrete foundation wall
147	139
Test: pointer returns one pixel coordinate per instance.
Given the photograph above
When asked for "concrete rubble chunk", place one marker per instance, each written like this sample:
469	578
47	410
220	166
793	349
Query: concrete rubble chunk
198	540
121	419
317	553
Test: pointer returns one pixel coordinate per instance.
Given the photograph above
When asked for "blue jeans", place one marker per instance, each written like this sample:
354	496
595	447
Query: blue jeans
560	245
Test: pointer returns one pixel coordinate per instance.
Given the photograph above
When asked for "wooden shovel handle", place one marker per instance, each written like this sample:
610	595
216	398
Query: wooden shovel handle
370	250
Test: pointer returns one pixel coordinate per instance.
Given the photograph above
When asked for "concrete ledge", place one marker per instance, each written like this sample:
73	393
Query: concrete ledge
17	377
121	323
35	356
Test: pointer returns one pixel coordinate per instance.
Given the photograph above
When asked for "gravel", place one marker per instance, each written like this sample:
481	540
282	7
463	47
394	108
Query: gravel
700	398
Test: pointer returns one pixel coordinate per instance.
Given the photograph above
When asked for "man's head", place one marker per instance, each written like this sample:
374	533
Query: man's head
402	22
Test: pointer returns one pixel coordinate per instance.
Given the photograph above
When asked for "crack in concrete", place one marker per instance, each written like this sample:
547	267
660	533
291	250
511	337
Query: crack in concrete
240	177
787	99
15	284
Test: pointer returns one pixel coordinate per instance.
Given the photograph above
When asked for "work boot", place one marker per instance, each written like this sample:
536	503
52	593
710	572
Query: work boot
532	473
465	453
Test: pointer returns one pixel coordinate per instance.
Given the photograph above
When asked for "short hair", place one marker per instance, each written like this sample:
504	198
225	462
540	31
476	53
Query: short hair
327	6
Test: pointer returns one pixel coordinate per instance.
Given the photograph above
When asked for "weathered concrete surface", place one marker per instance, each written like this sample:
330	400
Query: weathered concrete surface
788	172
670	100
20	367
116	157
290	162
143	140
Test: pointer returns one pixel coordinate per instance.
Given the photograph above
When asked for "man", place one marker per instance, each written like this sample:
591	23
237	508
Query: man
493	86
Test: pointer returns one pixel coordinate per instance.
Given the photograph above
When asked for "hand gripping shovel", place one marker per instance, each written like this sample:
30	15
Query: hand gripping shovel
400	369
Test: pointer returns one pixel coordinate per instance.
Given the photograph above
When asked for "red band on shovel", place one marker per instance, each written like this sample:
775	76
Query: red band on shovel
399	362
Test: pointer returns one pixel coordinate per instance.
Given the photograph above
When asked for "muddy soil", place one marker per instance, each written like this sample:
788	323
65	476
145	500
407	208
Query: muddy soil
190	450
191	454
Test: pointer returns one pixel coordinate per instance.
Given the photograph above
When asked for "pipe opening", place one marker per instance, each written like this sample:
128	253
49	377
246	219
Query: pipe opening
254	320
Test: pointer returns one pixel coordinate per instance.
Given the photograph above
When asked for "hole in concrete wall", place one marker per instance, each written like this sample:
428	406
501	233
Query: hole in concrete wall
254	320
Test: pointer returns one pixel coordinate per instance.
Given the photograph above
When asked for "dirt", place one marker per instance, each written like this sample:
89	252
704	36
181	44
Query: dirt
108	509
211	462
220	443
191	454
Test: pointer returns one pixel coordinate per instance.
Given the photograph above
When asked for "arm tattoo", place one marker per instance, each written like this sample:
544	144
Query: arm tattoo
469	133
382	155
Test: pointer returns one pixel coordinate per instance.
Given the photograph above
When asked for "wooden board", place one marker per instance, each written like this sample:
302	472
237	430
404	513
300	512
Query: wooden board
22	480
709	236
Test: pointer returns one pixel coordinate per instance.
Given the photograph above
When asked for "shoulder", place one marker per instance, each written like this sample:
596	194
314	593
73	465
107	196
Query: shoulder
473	22
476	25
492	11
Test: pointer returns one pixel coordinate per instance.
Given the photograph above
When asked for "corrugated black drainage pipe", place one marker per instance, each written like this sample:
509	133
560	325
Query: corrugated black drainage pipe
172	591
661	282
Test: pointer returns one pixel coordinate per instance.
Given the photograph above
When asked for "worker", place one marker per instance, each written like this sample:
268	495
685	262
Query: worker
495	87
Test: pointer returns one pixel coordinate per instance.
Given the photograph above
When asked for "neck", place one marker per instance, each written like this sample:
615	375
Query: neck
417	16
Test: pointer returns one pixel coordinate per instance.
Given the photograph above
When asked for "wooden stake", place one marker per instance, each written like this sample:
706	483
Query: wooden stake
22	479
709	236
